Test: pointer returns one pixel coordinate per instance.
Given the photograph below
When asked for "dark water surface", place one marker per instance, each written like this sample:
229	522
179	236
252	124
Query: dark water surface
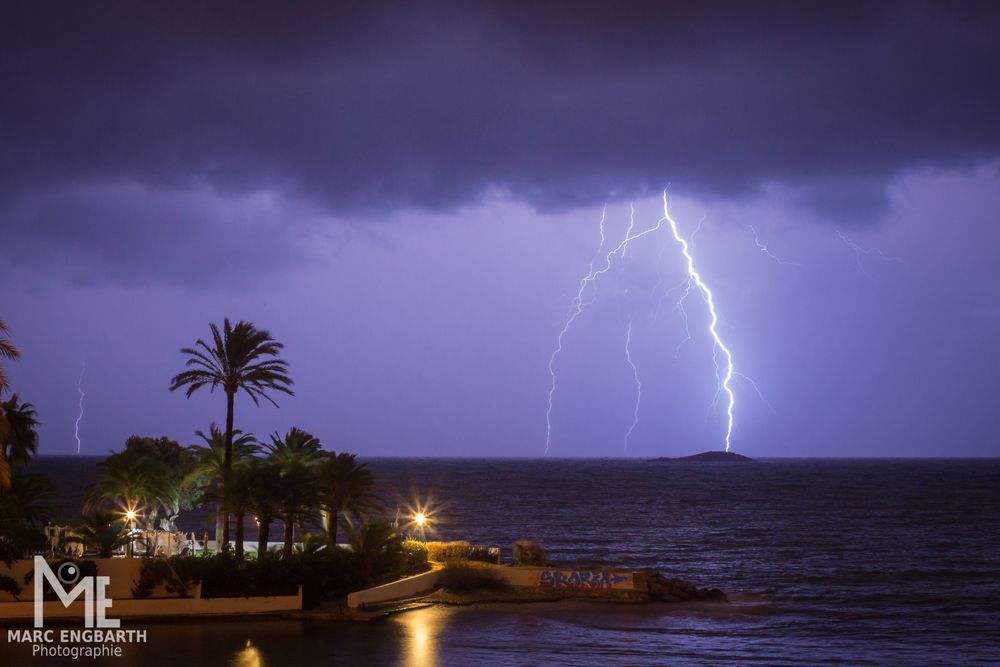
855	562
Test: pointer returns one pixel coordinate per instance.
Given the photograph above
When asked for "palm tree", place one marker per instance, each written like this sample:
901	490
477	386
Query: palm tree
234	497
296	456
210	464
144	478
7	351
348	487
18	438
374	543
25	505
242	357
266	492
103	532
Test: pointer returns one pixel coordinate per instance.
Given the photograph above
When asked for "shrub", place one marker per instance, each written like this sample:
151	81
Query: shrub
529	552
457	578
156	571
443	552
9	585
325	574
414	557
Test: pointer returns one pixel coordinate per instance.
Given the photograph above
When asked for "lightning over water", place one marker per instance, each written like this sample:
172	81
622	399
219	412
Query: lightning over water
724	373
79	417
638	383
577	305
721	354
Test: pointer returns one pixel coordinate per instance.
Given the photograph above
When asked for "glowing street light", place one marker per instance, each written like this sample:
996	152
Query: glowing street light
420	519
131	514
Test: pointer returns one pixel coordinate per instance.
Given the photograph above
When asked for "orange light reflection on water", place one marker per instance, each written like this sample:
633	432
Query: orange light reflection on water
421	628
248	656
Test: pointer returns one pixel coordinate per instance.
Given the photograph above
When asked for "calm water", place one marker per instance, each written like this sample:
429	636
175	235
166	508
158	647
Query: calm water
828	562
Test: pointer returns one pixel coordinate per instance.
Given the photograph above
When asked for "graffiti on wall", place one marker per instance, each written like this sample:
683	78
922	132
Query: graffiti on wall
580	579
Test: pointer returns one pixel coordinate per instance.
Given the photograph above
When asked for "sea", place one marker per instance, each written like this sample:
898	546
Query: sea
826	562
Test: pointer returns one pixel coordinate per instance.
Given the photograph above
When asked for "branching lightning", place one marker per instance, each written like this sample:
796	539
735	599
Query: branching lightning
577	305
859	251
724	375
638	383
79	417
766	251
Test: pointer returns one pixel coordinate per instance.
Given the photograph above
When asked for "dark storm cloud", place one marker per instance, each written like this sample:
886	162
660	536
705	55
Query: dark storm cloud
136	235
367	108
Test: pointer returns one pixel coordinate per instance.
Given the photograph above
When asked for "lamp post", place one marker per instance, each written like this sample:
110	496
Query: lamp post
130	516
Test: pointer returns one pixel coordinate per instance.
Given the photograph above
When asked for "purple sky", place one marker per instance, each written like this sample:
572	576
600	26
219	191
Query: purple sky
409	200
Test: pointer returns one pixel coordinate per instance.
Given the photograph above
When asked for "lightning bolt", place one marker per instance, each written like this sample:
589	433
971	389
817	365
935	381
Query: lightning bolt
859	251
694	280
638	383
766	252
79	388
577	305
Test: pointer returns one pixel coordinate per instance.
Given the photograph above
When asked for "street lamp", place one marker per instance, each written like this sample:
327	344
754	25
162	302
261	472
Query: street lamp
130	515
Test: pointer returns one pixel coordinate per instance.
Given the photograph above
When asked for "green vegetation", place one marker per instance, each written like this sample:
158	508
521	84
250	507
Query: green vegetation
443	552
25	506
241	358
529	552
102	533
144	487
7	351
323	573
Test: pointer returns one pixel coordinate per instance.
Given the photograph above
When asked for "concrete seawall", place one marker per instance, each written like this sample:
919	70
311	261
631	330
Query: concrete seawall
599	583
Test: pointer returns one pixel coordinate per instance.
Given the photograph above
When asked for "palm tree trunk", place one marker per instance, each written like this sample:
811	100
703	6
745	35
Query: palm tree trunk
220	518
239	535
262	534
289	534
227	463
331	521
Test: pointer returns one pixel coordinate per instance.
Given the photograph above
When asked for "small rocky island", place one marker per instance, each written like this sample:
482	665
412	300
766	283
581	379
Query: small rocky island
716	457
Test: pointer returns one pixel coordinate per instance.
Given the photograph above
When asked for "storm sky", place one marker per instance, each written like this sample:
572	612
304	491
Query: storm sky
407	196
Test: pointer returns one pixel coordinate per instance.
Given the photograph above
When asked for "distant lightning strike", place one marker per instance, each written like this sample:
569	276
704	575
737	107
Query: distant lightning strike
79	417
725	376
638	383
628	338
766	251
578	304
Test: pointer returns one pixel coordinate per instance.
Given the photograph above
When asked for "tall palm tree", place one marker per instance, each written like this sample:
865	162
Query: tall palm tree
210	463
18	437
7	351
296	456
348	487
241	357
